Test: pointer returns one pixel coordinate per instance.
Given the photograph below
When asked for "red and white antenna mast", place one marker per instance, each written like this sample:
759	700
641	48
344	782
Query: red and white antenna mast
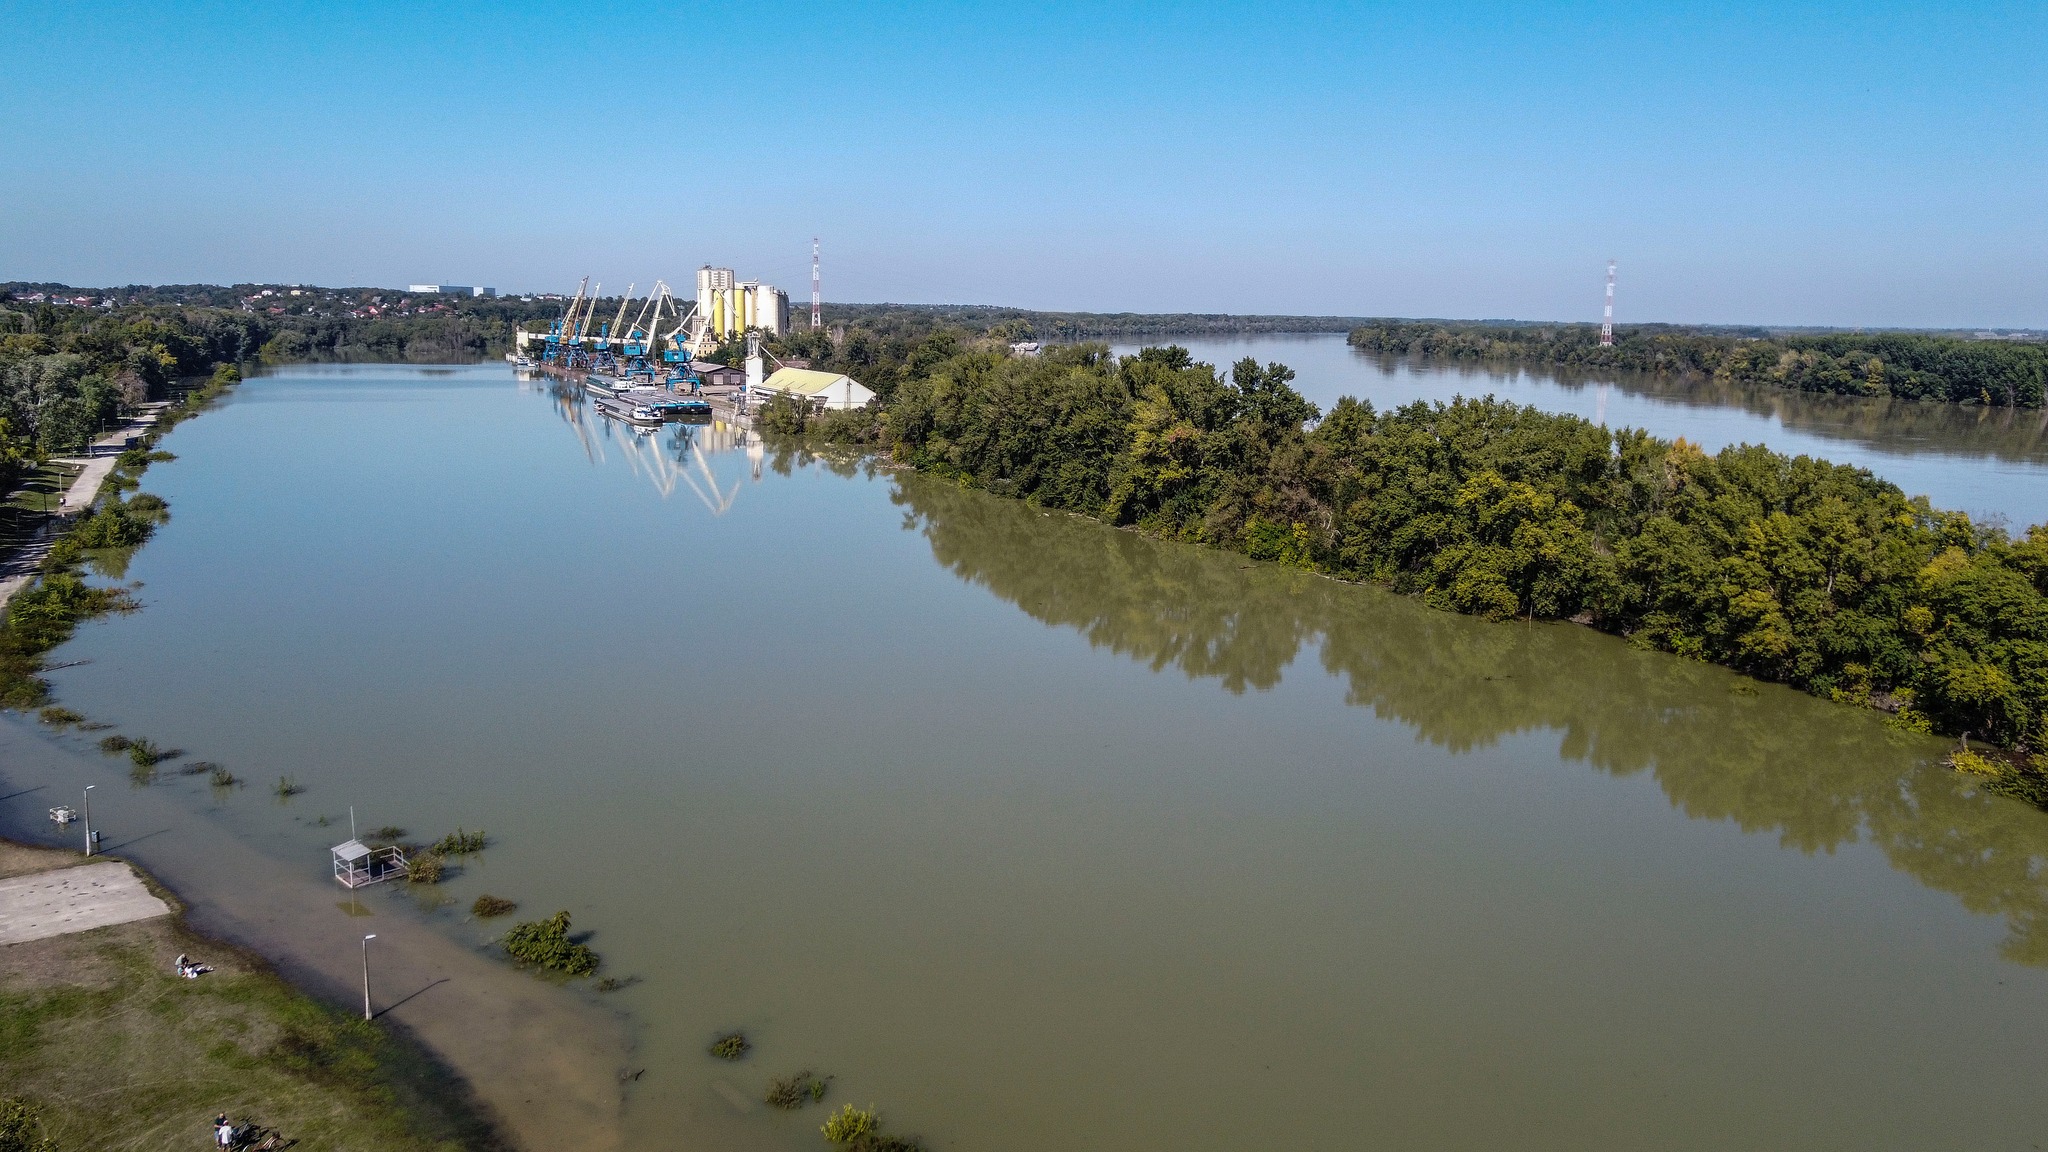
817	309
1607	318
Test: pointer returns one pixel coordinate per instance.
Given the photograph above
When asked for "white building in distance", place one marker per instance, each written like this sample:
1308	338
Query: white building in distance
452	289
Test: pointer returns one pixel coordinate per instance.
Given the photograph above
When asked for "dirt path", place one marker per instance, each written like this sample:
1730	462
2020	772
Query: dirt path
544	1061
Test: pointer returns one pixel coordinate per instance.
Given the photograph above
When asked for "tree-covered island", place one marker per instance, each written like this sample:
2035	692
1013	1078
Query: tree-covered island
1791	569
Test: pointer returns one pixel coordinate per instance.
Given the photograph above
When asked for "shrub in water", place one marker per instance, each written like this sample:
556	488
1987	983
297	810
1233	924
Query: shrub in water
59	716
793	1092
388	834
220	777
287	787
487	906
730	1046
114	744
146	754
849	1124
424	868
546	944
460	843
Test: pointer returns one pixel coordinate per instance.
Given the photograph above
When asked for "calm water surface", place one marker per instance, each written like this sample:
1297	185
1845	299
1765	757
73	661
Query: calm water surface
1037	834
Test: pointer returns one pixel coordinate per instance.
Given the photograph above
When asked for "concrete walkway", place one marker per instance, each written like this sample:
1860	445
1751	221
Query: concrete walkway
45	904
99	459
17	571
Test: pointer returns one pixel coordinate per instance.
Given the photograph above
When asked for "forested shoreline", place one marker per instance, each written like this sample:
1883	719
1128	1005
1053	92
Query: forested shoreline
1909	365
1790	569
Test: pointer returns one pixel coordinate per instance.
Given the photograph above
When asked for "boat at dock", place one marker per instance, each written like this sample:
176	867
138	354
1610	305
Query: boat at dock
630	411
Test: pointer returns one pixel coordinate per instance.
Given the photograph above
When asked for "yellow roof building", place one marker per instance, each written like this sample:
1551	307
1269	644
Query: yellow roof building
826	389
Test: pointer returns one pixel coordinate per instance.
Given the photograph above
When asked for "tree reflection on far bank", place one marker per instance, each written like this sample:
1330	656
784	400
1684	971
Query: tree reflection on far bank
1818	775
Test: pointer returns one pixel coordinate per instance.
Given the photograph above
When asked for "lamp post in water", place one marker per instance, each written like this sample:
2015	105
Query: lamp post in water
88	818
366	974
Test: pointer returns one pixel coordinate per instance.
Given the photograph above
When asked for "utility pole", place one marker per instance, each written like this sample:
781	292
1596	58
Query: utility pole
366	974
1607	318
817	307
88	818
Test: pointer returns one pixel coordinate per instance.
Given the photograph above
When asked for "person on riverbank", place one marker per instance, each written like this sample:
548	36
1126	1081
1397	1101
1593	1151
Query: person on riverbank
223	1132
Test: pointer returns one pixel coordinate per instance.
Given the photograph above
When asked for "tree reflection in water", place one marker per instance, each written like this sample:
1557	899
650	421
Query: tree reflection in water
1721	746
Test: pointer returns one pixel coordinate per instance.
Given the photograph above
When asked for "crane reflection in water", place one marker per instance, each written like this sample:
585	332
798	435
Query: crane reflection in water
668	456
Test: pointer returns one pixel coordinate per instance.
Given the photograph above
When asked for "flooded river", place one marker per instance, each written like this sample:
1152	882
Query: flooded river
1036	834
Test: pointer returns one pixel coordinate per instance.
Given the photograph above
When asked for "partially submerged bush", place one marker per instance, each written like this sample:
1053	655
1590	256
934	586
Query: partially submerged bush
546	944
220	777
461	843
115	744
730	1046
487	906
146	754
388	834
424	868
850	1124
59	716
287	788
793	1092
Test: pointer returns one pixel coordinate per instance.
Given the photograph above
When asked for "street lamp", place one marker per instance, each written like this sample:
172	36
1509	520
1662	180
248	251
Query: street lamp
88	818
366	974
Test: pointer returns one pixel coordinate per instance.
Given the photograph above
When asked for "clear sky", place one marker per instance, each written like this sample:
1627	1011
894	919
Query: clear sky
1845	164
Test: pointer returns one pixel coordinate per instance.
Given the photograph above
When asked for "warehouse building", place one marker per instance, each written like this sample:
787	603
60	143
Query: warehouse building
823	389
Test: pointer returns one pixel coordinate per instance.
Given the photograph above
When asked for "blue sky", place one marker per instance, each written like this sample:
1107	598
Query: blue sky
1819	164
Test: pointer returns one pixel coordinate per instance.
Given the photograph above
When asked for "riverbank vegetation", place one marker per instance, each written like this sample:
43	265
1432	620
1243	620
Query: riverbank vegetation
1914	366
1718	747
1789	569
111	1049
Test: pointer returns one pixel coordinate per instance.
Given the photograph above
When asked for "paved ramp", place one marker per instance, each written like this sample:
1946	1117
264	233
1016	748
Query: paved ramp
44	904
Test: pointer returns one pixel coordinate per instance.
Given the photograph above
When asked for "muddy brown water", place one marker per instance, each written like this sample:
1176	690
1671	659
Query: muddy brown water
1031	832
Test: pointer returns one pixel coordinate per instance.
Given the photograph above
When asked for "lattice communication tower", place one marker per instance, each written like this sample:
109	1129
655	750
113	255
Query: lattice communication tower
1606	318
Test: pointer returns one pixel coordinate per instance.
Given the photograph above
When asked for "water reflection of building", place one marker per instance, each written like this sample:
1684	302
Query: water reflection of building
689	455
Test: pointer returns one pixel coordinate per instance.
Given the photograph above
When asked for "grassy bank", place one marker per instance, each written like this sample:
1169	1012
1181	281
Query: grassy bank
114	1051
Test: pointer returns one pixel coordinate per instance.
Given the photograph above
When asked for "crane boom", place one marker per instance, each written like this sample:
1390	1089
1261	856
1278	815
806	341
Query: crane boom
612	333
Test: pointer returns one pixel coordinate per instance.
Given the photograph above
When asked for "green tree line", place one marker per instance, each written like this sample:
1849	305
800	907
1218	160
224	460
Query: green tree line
68	373
1789	569
1913	366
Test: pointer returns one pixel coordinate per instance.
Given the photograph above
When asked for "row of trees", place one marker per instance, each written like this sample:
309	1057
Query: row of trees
67	373
1908	365
1790	569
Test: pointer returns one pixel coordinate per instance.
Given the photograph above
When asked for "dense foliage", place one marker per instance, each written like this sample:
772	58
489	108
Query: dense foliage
546	944
1790	569
1909	365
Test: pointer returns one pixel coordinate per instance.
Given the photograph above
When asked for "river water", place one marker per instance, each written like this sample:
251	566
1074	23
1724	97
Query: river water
1037	834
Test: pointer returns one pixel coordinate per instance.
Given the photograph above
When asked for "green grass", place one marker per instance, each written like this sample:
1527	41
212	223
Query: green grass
117	1053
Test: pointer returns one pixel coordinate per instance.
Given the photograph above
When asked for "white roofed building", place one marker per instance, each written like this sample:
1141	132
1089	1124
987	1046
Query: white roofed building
823	389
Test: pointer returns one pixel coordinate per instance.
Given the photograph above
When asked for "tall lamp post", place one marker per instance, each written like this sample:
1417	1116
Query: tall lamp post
88	818
366	974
